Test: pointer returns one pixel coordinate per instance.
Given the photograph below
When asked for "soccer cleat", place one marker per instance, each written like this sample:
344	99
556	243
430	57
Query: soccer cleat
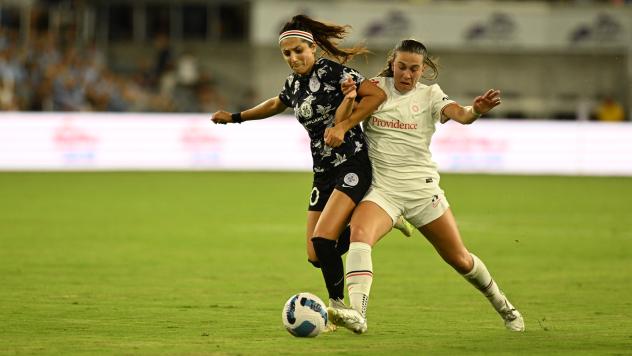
341	315
512	317
404	226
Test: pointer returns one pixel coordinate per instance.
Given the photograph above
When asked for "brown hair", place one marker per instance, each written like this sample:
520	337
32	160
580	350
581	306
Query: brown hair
326	36
410	46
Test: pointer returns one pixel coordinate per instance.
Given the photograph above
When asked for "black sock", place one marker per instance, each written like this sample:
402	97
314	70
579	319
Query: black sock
331	266
342	246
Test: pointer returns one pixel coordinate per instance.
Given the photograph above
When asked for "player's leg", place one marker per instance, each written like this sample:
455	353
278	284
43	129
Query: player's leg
342	245
332	221
312	219
444	235
371	220
352	180
330	224
368	225
321	190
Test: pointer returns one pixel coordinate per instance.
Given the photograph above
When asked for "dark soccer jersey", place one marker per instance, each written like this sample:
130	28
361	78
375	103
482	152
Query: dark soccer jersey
315	98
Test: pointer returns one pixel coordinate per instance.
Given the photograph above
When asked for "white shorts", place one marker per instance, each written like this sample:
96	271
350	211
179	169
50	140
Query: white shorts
419	211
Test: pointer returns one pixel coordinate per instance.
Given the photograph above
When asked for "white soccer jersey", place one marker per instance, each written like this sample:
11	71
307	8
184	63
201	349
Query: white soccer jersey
398	135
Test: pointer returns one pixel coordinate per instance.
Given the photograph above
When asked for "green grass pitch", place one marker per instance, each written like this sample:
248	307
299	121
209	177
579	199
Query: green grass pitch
200	263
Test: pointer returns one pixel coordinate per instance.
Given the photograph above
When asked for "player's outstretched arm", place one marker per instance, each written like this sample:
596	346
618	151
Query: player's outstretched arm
264	110
468	114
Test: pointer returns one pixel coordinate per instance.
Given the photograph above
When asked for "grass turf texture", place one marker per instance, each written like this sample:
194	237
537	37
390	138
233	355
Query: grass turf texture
199	263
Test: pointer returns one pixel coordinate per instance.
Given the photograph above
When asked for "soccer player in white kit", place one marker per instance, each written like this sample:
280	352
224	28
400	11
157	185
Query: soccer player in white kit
406	182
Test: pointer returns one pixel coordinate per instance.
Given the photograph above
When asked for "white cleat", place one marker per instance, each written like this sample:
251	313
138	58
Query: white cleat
404	226
512	317
341	315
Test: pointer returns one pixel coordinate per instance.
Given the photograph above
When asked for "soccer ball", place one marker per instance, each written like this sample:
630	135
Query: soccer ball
304	315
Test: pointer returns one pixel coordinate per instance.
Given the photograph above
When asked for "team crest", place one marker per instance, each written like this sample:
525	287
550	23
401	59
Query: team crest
305	110
351	179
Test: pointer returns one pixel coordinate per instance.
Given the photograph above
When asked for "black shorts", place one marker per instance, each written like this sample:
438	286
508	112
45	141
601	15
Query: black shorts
352	177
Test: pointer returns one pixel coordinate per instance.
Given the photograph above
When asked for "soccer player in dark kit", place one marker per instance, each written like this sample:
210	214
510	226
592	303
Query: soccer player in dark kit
342	175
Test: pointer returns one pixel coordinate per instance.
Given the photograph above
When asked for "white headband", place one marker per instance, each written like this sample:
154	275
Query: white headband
298	34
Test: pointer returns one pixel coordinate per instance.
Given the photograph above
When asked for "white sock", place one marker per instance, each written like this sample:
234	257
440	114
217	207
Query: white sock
480	278
359	275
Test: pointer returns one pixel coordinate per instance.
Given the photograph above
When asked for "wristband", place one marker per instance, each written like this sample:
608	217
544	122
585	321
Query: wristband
236	118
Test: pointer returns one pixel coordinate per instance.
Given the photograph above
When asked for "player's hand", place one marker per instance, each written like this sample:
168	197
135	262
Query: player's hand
334	136
484	103
348	88
221	117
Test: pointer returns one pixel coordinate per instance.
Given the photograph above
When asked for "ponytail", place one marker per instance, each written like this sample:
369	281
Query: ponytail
326	36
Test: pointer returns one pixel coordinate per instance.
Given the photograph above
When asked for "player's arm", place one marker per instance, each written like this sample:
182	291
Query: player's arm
468	114
346	106
371	98
264	110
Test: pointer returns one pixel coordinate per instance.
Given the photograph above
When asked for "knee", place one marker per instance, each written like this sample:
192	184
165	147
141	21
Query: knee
360	234
323	247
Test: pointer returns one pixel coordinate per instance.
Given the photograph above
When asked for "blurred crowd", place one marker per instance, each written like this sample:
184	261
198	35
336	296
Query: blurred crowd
53	73
47	75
